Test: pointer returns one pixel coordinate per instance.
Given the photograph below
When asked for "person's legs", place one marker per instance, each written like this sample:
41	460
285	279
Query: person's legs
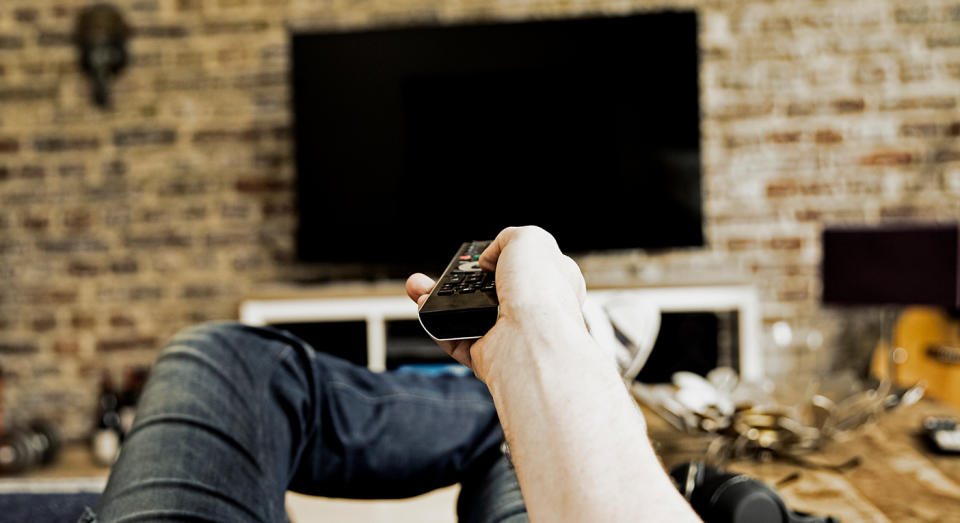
233	416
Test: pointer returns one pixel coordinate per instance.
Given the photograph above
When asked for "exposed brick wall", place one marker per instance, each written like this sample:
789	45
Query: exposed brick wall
117	228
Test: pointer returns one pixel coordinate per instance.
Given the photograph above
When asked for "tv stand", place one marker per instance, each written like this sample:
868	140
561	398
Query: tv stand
378	305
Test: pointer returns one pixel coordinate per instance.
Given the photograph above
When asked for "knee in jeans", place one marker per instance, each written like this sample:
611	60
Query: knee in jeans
216	340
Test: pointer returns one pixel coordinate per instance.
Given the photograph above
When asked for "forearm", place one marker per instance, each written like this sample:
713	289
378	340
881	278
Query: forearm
576	437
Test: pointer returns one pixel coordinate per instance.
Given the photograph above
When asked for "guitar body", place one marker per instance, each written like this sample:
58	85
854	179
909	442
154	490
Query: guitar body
930	339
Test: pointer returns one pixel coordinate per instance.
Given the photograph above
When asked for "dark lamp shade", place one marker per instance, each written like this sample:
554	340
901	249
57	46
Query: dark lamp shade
892	265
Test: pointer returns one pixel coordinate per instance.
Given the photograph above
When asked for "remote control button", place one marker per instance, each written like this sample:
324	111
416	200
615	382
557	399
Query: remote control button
445	292
470	266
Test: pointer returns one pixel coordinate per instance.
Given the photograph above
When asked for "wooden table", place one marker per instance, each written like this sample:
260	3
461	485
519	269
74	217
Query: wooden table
898	478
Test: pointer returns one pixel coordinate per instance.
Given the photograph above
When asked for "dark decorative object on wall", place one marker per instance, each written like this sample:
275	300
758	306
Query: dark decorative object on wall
101	36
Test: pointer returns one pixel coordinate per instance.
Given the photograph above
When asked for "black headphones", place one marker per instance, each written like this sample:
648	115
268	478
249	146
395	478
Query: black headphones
723	497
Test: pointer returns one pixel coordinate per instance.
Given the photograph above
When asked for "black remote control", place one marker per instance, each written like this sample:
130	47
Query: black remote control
463	304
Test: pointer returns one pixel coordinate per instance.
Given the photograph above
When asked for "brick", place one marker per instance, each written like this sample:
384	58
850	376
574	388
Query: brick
794	295
741	244
140	136
115	168
194	213
27	94
930	102
32	172
8	145
122	321
17	348
48	296
935	42
72	244
65	143
235	27
184	187
827	137
25	14
261	184
780	189
66	347
127	266
153	216
887	158
160	31
739	111
902	212
72	170
252	81
785	243
946	155
801	108
43	323
912	15
238	211
146	293
244	263
920	129
217	136
146	59
784	137
274	209
121	344
48	38
81	320
848	105
34	223
10	42
77	219
145	6
232	238
82	269
270	160
157	241
201	292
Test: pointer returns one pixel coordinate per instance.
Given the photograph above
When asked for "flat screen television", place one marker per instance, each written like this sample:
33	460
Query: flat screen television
410	140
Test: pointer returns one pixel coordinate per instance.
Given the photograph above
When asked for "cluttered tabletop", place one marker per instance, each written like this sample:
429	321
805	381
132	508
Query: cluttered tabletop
882	469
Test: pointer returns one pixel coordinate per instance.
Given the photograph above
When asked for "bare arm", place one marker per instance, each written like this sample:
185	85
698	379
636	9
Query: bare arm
577	439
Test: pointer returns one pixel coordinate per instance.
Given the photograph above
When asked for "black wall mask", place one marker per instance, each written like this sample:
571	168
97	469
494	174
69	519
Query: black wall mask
101	37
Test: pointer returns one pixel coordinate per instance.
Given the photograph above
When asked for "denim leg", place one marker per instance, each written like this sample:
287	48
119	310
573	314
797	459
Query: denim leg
233	416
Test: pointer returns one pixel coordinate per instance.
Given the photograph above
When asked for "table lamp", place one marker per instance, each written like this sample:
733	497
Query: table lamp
911	265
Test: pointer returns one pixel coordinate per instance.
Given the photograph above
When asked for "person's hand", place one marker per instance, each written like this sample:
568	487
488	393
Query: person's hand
418	288
541	292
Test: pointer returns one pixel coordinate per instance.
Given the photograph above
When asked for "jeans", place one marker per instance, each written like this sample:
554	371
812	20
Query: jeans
233	416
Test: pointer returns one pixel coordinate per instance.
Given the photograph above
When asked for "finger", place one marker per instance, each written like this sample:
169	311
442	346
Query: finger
490	255
575	277
419	285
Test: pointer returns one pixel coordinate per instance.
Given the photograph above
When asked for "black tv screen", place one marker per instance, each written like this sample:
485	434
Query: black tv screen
411	140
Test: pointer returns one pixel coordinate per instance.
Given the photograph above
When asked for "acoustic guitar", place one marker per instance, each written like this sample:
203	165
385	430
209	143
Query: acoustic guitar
927	348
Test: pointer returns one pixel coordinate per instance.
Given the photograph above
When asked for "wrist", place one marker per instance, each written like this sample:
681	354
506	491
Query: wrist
512	354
